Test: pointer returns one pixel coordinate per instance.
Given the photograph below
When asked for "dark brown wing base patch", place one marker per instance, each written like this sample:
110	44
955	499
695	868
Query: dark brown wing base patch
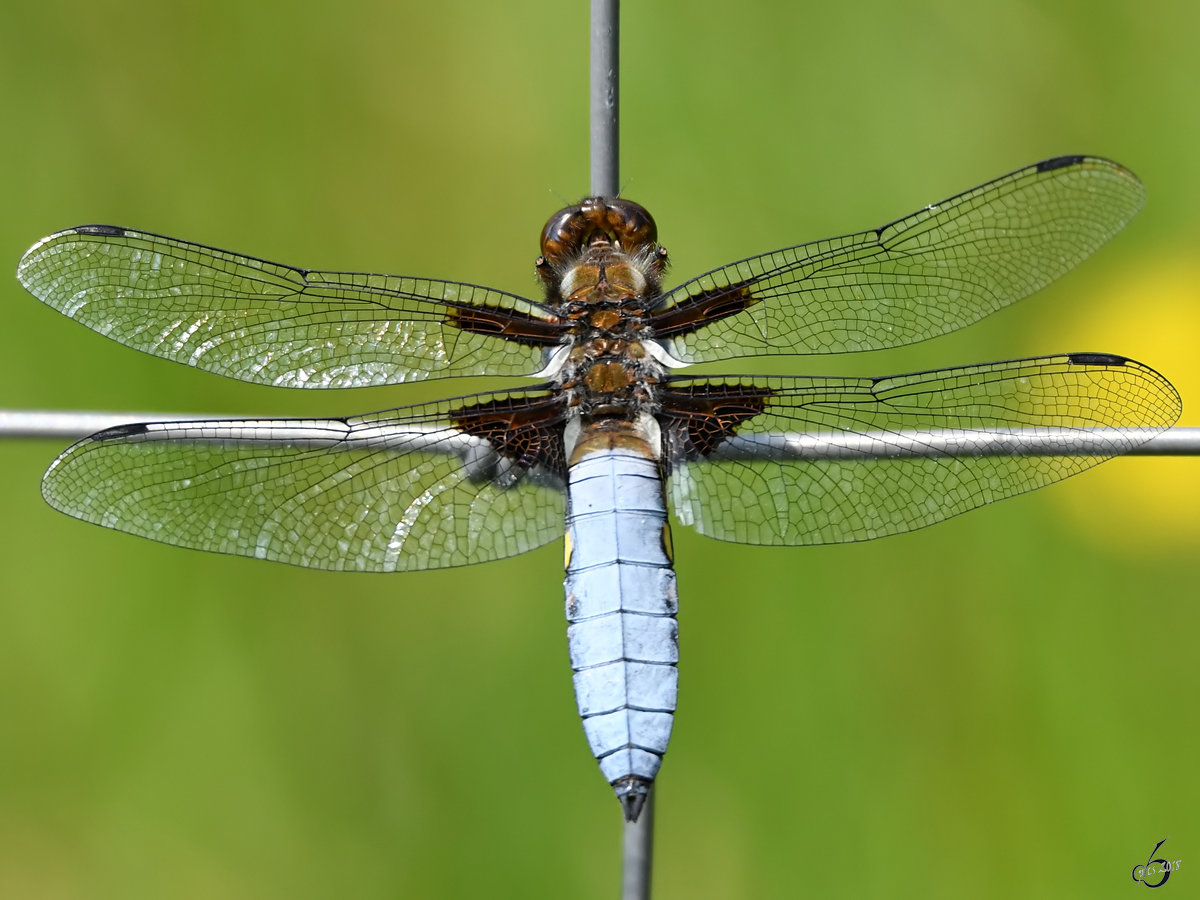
700	417
528	432
702	309
510	324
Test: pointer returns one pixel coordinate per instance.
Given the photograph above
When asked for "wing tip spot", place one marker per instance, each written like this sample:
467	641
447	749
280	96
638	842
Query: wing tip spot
106	230
120	431
1059	162
1097	359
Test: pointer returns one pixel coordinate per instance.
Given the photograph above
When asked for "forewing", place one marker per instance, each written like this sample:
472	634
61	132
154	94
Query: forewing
750	460
274	324
420	487
939	269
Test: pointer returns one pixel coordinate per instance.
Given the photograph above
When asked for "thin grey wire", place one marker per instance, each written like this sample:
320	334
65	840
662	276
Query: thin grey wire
637	852
1178	441
605	109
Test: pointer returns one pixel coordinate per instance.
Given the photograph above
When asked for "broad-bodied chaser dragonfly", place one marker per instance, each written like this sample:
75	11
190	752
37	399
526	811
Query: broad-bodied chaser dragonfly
612	435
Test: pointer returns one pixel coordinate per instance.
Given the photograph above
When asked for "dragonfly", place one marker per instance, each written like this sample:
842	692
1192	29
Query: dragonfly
612	435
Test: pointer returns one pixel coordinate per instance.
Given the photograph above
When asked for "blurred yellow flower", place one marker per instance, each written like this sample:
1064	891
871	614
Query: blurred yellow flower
1145	506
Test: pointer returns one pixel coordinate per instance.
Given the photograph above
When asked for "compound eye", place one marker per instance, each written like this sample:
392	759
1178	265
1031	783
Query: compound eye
631	224
563	230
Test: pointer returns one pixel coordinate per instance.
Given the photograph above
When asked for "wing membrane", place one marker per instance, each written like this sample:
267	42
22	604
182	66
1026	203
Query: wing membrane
758	487
939	269
391	491
269	323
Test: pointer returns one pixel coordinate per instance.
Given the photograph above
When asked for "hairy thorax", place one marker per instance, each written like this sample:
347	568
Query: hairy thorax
603	272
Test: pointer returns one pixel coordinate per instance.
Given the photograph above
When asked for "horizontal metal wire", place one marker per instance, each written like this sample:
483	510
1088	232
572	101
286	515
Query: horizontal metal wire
965	442
1181	441
72	425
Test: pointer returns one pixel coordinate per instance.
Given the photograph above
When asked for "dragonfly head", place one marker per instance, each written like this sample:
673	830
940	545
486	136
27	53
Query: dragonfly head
597	223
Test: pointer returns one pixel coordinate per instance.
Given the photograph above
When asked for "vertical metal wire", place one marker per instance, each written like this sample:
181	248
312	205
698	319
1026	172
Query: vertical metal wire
637	844
605	61
637	852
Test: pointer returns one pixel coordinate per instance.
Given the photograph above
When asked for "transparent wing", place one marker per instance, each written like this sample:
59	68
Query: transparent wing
939	269
764	485
405	489
275	324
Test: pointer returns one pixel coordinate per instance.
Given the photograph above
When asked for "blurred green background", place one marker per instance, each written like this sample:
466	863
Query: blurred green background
1001	706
